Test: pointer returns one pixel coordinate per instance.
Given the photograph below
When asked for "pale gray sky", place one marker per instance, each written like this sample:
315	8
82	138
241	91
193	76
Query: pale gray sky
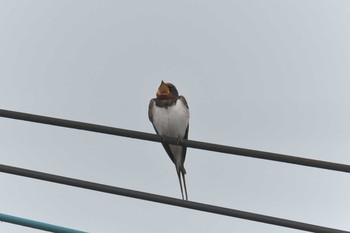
269	75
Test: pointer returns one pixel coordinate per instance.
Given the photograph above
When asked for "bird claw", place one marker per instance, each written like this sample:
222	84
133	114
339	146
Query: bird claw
163	137
179	139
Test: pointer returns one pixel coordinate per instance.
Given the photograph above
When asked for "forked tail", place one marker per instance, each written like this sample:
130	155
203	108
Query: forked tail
181	175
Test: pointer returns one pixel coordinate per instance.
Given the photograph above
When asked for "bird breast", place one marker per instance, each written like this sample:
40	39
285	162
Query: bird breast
171	121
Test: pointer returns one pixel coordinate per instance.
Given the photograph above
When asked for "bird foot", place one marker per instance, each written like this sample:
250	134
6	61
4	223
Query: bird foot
179	140
163	137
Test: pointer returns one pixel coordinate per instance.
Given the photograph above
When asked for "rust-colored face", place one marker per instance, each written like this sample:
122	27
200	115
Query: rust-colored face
164	91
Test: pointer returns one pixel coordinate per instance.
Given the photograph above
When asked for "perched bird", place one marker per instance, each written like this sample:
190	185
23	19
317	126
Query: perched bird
170	116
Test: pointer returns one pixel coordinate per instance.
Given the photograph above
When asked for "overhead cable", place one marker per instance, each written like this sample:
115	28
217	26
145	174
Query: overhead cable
167	200
188	143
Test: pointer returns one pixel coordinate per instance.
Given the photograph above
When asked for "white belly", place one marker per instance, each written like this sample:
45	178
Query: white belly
171	121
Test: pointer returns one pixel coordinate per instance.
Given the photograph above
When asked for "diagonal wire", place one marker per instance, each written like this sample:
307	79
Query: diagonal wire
188	143
37	225
167	200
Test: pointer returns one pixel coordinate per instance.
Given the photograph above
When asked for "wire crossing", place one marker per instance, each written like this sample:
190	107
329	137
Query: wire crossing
188	143
167	200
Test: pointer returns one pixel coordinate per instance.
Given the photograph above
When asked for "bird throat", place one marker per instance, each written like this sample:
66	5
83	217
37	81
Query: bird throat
165	103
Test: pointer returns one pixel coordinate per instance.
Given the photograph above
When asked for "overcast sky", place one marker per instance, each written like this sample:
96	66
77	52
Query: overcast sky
268	75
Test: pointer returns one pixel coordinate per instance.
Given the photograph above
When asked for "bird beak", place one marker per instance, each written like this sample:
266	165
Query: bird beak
163	91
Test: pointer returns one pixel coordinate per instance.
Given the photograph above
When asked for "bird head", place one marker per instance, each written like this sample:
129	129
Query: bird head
167	91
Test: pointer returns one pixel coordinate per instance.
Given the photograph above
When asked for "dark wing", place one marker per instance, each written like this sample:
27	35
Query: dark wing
183	100
168	151
186	134
183	153
184	148
150	110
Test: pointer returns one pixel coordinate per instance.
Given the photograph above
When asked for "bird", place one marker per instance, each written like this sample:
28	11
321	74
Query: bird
169	114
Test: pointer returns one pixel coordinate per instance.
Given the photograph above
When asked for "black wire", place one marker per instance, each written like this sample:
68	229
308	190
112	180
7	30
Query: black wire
189	143
167	200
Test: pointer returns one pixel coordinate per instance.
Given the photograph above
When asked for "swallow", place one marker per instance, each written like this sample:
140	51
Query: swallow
170	116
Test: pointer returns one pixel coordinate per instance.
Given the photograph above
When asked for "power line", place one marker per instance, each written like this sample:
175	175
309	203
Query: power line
188	143
36	225
167	200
